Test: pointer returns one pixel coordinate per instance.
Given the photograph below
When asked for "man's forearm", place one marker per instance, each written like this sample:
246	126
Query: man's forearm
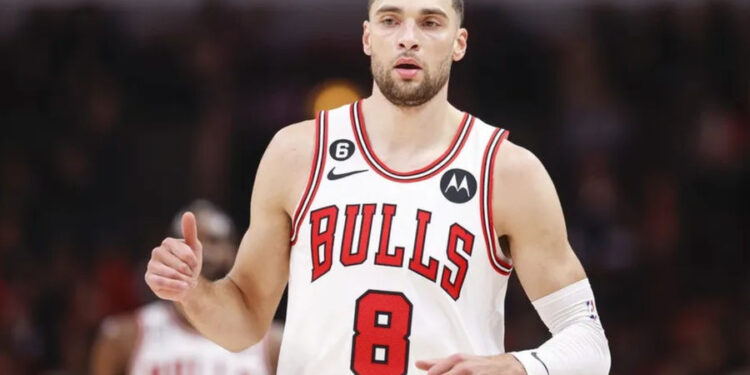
578	345
220	311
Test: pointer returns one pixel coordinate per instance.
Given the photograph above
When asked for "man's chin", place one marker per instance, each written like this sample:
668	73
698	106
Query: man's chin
407	101
408	87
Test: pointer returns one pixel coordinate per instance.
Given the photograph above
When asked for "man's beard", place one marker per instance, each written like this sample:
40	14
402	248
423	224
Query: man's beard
406	94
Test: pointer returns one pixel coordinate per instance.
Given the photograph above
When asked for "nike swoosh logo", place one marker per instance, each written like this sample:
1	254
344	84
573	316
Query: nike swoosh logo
333	176
533	354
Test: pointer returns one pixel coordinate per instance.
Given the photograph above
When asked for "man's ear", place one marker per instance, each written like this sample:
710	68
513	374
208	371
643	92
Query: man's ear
460	45
366	38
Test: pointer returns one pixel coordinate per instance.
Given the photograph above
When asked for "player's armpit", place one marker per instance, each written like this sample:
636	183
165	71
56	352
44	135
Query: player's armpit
527	210
114	345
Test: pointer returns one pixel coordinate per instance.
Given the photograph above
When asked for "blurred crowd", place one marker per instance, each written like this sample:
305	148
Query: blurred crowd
642	117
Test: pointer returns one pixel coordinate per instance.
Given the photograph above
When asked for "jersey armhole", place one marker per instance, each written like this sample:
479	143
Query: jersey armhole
499	262
316	174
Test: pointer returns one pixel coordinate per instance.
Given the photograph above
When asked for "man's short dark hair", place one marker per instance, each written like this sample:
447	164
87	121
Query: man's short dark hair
458	5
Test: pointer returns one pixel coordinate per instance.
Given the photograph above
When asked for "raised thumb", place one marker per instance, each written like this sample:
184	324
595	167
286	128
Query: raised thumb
190	231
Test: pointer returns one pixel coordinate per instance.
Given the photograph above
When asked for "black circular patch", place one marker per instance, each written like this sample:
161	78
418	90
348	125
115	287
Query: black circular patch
342	149
458	186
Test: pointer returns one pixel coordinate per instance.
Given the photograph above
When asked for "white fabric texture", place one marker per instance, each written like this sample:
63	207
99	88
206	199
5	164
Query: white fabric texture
578	345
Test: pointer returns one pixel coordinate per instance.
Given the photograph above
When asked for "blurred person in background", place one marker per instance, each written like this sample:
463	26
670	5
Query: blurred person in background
158	339
441	311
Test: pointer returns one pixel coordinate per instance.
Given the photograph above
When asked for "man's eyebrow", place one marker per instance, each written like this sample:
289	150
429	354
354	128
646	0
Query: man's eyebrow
389	9
424	12
433	12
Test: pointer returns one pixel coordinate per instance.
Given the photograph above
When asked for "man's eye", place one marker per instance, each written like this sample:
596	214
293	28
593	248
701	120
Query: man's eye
388	21
431	23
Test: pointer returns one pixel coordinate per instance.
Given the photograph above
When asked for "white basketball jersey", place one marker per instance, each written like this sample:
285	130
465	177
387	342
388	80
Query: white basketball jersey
388	267
168	347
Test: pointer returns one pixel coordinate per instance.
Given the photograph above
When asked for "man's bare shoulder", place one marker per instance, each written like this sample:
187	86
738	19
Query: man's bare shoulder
523	192
286	164
121	329
114	344
517	167
294	141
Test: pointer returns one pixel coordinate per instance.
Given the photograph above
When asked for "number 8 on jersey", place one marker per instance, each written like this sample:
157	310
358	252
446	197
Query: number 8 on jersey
382	325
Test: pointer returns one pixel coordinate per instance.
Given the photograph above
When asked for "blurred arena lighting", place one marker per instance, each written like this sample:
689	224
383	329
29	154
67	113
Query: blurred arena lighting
331	94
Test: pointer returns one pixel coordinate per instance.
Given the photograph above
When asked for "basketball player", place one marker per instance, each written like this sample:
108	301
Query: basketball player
389	242
157	340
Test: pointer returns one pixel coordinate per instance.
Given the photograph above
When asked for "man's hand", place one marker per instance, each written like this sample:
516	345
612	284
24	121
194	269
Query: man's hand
175	266
462	364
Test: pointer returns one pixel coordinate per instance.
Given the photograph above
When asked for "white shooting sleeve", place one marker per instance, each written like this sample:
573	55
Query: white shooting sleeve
578	345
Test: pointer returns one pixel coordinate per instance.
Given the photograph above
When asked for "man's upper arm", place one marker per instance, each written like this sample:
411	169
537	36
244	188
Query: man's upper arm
261	269
527	210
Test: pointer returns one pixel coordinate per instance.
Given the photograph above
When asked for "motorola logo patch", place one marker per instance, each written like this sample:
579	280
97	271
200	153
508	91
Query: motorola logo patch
342	149
458	186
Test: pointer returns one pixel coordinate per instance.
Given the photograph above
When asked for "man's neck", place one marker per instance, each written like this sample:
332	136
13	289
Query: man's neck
422	131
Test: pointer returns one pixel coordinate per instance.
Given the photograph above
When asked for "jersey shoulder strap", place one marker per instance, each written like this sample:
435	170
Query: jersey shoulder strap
316	174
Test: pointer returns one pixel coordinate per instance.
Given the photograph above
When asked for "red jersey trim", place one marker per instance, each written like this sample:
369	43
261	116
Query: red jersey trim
485	202
316	173
437	166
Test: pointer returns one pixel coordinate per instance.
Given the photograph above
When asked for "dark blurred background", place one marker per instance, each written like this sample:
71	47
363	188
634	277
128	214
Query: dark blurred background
116	114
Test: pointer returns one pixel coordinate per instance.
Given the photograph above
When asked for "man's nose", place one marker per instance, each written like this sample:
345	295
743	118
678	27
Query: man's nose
408	38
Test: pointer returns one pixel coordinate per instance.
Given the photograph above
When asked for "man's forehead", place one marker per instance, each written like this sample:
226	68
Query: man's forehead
409	5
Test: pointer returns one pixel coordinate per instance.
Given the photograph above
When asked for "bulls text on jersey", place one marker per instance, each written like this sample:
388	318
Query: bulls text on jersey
323	221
